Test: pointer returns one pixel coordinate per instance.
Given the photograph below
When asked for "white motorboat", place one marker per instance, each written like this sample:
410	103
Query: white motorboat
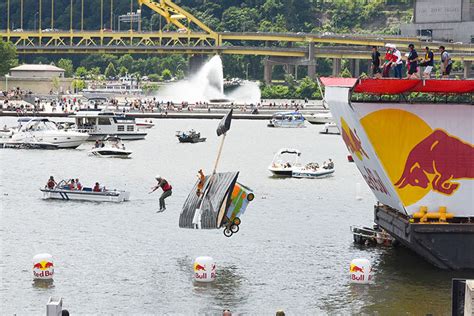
145	124
62	192
312	171
330	128
282	165
111	147
100	124
322	117
287	119
43	130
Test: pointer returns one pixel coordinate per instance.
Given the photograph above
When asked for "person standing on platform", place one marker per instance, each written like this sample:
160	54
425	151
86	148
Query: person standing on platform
446	62
376	72
428	63
412	63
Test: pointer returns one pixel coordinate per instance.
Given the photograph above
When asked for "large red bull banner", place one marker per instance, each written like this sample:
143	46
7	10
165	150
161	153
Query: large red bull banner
424	152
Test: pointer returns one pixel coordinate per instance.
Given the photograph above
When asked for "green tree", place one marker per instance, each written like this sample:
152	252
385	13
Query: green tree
8	57
346	73
55	83
166	74
81	72
126	61
123	71
68	67
78	85
110	71
306	88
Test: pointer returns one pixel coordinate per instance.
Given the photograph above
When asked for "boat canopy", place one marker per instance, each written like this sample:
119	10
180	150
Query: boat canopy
207	210
388	86
287	114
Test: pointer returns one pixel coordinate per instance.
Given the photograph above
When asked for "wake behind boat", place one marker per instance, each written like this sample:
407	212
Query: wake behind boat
66	190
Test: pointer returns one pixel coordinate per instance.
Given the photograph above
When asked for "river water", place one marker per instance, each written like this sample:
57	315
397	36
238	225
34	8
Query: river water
292	252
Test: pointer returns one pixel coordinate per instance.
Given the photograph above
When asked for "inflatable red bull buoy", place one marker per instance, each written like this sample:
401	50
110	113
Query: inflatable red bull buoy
204	269
43	267
361	271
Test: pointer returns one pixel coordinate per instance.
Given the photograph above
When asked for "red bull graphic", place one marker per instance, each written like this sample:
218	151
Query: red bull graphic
355	268
436	161
352	140
198	267
43	270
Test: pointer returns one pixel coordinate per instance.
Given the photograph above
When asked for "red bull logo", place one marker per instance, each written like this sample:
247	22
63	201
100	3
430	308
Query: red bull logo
436	161
352	140
355	268
43	269
43	265
199	268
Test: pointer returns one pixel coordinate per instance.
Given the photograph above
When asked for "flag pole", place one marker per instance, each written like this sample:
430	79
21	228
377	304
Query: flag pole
219	154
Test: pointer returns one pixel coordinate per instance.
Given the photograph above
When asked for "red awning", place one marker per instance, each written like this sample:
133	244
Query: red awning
397	86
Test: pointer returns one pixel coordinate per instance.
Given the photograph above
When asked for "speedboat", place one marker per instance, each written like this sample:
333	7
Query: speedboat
287	119
145	124
43	130
312	171
111	147
322	117
62	192
31	143
330	128
190	137
100	124
281	164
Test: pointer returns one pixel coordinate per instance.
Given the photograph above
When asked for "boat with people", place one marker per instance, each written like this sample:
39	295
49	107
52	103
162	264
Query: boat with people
100	124
282	165
110	147
312	170
42	130
190	137
144	123
287	119
322	117
330	128
72	190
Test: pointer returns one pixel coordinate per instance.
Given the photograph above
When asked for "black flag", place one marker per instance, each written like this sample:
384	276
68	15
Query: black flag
224	124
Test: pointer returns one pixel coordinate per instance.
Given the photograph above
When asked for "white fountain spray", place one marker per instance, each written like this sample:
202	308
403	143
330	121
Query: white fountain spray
208	85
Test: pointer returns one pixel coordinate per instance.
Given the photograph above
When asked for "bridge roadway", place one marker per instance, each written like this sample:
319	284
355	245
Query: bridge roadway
34	42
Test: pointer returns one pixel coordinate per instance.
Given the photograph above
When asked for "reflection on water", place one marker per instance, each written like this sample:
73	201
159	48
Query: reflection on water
292	252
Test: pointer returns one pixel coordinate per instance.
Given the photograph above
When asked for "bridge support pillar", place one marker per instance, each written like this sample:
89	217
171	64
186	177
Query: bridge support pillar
267	71
311	61
336	67
354	67
467	69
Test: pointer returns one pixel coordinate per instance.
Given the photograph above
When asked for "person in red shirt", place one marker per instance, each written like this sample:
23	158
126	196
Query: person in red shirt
166	187
96	187
72	185
78	185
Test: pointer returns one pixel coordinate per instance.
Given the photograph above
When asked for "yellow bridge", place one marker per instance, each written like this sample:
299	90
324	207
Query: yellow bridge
189	35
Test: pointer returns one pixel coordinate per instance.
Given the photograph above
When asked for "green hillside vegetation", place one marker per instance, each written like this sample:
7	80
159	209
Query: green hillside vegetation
317	16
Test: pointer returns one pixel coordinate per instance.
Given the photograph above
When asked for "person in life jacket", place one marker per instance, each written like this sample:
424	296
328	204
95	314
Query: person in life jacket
167	191
428	63
446	62
51	183
202	179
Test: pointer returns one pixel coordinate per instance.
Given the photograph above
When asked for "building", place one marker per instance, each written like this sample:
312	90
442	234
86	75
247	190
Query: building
442	20
40	79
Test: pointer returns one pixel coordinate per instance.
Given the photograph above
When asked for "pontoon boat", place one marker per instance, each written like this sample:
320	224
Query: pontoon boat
282	165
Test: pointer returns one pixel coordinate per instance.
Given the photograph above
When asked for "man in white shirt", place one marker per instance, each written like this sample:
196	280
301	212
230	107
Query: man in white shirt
397	63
